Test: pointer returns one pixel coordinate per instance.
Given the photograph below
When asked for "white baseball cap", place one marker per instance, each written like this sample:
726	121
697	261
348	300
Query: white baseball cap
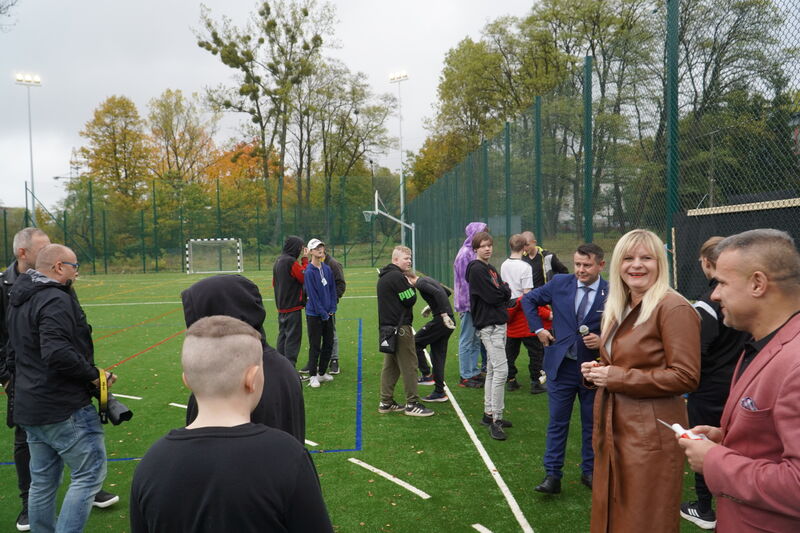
313	243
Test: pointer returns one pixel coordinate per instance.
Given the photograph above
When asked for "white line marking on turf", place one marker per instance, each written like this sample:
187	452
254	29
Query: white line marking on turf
366	297
481	528
512	502
411	488
311	443
179	405
127	397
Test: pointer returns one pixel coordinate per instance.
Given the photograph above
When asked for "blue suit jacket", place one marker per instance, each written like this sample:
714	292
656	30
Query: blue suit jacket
559	292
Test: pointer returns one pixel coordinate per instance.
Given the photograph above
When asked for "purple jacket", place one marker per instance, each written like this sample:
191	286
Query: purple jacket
464	256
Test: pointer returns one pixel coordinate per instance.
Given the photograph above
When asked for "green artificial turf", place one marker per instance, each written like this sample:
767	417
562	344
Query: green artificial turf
137	321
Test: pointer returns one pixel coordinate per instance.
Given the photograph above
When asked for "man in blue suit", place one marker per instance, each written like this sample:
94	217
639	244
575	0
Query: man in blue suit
577	301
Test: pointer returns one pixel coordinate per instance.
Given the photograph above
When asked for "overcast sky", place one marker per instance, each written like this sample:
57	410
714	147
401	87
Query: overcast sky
88	50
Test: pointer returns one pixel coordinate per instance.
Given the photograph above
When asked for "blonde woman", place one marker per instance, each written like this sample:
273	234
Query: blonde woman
649	356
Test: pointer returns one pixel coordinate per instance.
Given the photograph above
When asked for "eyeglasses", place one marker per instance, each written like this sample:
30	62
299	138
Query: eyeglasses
76	266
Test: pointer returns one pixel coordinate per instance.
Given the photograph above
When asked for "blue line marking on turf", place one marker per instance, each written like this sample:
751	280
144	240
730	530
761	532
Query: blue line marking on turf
359	405
359	395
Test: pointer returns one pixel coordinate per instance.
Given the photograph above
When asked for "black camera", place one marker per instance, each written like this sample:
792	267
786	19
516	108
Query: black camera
116	412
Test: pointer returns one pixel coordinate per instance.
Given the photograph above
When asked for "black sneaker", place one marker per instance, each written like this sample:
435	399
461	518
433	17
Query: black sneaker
496	430
487	421
512	385
104	499
417	409
471	383
334	367
436	397
704	520
426	380
537	388
391	407
23	524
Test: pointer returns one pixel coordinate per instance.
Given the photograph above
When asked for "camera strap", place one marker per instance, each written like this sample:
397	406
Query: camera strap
103	395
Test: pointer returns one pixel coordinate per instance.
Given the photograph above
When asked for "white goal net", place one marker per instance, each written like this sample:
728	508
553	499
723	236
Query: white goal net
207	256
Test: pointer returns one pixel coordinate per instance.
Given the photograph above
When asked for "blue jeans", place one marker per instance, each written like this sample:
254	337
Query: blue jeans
469	346
78	442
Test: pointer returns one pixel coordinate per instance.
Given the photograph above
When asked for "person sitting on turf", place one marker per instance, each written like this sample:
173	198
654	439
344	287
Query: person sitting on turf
435	333
230	474
281	404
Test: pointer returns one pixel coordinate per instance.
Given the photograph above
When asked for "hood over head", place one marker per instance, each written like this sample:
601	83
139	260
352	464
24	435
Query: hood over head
293	246
225	294
29	283
471	230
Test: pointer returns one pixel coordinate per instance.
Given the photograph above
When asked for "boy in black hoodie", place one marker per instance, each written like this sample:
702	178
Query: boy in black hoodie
287	280
396	298
488	295
435	333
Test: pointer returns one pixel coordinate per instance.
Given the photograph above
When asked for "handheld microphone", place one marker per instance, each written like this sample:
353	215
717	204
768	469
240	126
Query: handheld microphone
583	330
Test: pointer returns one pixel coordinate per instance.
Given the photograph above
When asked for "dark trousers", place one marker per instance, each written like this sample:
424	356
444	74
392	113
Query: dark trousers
290	334
561	394
320	344
705	408
22	459
535	355
436	335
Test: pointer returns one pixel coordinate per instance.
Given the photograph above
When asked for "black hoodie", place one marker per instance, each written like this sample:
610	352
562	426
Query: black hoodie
488	295
281	404
51	345
435	295
287	277
396	297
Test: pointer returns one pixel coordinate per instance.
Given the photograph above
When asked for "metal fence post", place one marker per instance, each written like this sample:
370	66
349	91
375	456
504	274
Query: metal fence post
537	165
587	149
485	169
6	260
91	225
155	226
141	234
105	244
673	12
507	174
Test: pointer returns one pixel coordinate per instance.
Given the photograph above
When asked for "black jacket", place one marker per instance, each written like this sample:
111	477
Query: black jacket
435	295
720	347
396	297
51	344
488	295
281	405
287	277
7	280
544	265
338	275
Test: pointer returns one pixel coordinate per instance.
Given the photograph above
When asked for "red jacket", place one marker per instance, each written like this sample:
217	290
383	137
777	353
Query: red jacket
517	327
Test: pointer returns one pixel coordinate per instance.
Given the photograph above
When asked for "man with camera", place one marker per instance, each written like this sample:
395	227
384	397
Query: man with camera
50	343
27	243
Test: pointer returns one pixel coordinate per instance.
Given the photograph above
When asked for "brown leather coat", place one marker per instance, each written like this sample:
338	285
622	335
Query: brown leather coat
638	466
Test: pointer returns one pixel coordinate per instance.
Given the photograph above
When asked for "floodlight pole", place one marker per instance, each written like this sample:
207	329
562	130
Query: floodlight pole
28	81
413	227
398	78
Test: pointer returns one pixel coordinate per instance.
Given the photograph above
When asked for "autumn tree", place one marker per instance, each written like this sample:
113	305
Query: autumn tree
271	54
117	152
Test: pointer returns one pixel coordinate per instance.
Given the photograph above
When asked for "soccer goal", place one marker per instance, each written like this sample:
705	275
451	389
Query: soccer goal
208	256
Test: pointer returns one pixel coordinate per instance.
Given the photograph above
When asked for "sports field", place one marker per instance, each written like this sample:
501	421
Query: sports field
456	477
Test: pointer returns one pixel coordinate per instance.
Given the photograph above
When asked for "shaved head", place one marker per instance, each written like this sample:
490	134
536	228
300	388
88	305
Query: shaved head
217	352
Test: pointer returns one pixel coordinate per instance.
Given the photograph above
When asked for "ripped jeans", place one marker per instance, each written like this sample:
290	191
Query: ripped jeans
494	389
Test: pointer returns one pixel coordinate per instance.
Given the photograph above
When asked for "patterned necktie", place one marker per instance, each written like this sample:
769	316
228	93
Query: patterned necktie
583	304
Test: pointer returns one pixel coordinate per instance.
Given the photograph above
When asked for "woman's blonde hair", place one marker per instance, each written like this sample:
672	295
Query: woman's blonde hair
619	293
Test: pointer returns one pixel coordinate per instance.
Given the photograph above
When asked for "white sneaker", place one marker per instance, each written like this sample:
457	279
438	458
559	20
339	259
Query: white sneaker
324	377
313	382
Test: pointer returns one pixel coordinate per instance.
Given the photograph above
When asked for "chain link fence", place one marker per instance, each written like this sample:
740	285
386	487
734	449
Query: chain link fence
588	161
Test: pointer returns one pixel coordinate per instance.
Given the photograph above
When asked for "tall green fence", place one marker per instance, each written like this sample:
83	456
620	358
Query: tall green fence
590	160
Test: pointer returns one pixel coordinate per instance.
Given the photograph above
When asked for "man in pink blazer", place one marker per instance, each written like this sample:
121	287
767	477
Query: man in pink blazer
752	462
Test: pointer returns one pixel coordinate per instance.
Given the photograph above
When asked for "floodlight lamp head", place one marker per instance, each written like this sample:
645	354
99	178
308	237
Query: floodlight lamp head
368	215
